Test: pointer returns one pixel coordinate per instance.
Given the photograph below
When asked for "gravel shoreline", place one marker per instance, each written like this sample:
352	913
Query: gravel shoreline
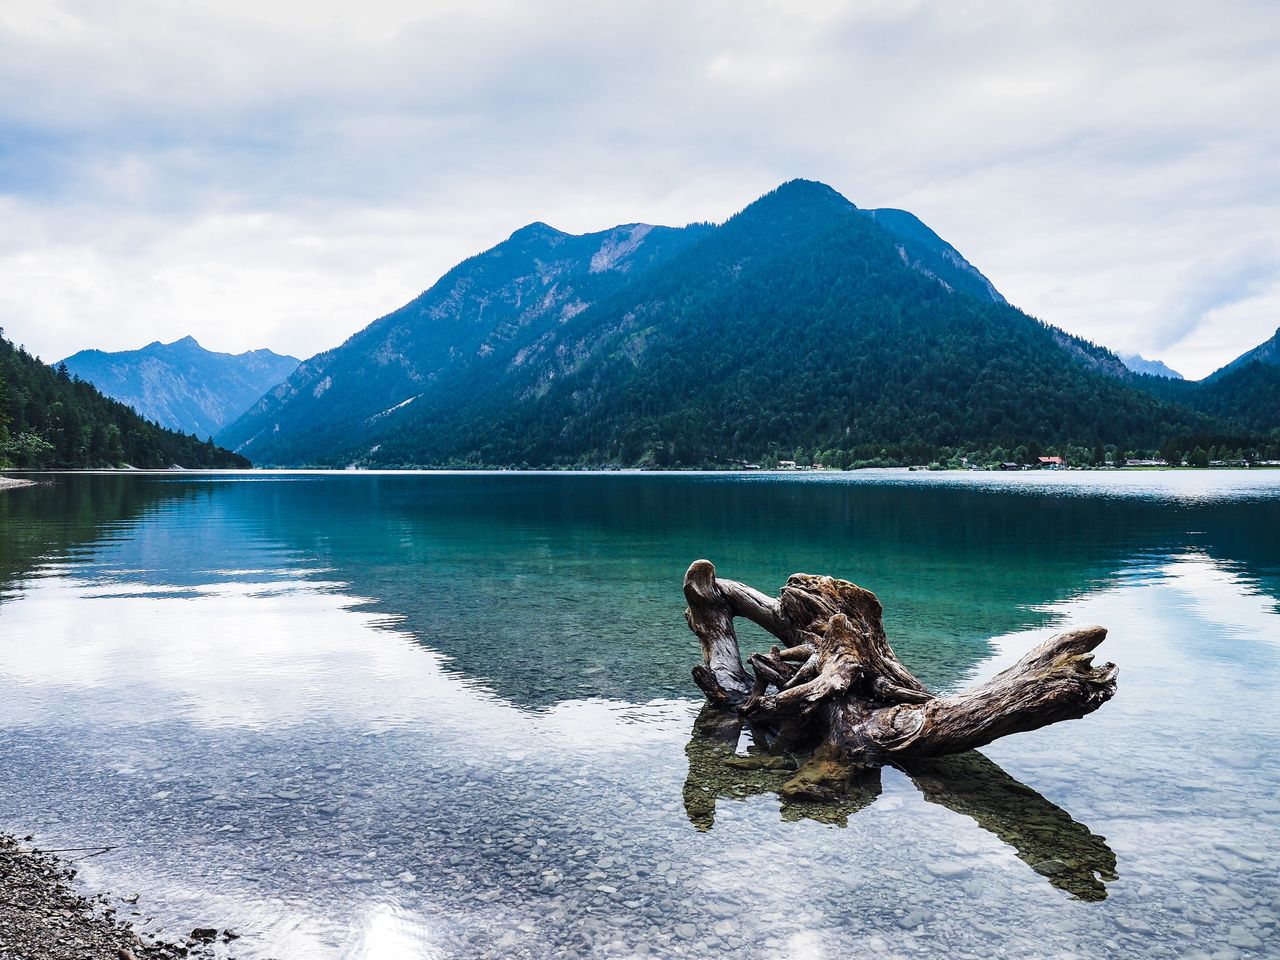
8	483
43	916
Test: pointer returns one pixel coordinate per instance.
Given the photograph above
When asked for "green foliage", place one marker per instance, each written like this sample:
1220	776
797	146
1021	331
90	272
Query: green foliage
50	419
27	450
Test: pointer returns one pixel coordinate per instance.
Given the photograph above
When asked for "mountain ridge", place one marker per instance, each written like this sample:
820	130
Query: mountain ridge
181	385
1155	368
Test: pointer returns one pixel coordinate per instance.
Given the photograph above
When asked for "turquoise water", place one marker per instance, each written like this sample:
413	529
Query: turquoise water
435	715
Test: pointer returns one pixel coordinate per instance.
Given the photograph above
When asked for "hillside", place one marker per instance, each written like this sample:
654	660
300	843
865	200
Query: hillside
928	253
181	385
1246	398
802	324
49	419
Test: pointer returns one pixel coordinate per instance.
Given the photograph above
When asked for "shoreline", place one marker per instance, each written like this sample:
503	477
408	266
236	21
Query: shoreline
13	482
43	916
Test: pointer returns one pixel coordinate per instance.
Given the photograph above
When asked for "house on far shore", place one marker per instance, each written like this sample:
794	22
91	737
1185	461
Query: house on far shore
786	464
1010	465
1050	463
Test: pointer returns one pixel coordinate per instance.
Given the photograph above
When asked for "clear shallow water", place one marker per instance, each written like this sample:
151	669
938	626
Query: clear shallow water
439	715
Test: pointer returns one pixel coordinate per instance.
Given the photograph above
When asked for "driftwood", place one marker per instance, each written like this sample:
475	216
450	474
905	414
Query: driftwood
835	697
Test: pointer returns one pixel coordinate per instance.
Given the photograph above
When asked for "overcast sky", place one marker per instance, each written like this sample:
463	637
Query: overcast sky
264	173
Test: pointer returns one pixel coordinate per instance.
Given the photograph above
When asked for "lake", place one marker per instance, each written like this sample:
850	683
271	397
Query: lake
450	715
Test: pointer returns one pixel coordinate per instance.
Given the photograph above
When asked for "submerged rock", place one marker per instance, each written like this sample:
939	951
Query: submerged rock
948	869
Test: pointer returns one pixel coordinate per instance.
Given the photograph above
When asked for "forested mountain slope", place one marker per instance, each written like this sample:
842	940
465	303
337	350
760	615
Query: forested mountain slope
1244	396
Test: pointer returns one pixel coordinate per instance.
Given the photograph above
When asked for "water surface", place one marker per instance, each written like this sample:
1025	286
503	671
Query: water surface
441	715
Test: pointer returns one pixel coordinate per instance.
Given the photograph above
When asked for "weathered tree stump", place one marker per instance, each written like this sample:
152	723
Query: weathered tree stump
835	693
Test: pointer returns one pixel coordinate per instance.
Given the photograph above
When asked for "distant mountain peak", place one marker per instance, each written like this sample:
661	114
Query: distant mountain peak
802	188
537	229
72	425
181	385
797	195
1154	368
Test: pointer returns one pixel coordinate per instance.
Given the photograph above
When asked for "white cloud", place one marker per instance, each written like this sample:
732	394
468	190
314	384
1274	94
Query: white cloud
279	174
1210	287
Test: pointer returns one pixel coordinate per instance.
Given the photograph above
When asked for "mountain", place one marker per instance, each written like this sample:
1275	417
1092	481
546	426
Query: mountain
49	419
1154	368
181	385
1267	353
801	324
507	299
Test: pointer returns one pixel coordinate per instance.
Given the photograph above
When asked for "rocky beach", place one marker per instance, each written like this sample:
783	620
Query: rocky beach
43	916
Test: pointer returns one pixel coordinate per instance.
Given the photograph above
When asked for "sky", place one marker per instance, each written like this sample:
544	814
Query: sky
261	173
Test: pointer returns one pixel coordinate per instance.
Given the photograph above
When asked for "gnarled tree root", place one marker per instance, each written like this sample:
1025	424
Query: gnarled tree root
834	691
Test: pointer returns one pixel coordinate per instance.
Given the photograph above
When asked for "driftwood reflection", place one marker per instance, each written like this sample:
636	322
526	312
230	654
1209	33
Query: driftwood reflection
1044	836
